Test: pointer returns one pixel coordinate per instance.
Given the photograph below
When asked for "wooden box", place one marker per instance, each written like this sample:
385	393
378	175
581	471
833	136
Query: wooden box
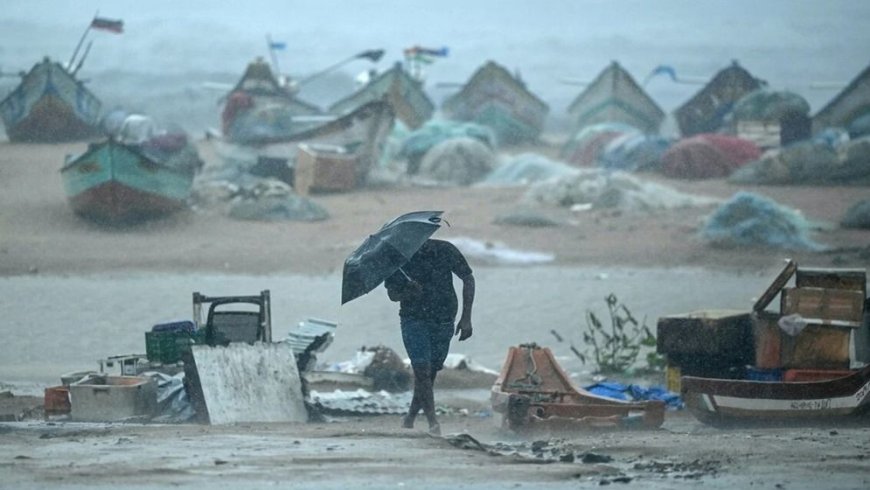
850	279
815	347
723	334
839	307
323	168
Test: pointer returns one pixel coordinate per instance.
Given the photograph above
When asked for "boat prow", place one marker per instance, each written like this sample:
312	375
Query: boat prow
533	392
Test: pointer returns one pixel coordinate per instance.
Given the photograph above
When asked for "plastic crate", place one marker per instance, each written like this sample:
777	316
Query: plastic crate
167	347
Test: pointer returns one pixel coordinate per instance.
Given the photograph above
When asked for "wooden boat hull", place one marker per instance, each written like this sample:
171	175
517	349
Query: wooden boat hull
615	97
705	112
116	183
49	105
737	402
406	96
493	97
362	133
533	392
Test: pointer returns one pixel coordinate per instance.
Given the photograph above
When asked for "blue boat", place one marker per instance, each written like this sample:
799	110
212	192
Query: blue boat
50	105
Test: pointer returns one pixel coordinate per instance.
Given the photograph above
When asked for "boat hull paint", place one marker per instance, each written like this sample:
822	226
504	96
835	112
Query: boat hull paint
114	183
726	402
49	105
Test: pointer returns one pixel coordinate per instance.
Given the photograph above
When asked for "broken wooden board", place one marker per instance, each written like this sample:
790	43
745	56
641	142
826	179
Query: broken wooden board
249	383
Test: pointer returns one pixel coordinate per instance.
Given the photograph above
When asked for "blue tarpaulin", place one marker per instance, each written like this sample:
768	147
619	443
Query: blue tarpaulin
619	391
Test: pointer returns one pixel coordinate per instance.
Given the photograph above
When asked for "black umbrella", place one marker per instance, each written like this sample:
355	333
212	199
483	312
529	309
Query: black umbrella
384	252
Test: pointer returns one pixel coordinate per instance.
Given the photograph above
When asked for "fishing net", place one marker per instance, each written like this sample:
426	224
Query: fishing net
751	220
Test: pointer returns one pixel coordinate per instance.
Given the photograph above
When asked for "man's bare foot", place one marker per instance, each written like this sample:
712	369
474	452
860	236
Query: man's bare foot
435	429
408	422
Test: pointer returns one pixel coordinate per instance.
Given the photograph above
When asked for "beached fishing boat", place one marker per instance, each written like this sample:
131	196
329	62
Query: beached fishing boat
727	401
405	94
50	105
260	107
115	182
849	109
495	98
705	112
533	392
615	97
360	134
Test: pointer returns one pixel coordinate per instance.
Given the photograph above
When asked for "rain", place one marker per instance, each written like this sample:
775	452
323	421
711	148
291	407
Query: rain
664	207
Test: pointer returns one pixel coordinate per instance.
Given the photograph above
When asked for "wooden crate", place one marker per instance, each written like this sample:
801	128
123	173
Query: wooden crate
839	307
323	168
850	279
815	347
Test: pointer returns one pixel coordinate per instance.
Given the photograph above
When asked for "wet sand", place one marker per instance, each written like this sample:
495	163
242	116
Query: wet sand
74	292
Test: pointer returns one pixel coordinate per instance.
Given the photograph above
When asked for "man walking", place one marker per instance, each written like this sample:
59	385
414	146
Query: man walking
427	309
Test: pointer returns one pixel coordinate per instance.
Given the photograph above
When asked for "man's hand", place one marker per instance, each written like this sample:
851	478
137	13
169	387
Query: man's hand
463	329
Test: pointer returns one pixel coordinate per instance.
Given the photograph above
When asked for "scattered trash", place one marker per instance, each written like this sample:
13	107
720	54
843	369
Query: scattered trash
361	402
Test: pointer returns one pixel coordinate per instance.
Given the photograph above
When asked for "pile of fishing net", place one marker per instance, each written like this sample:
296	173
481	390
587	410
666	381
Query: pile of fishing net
242	188
457	161
815	161
526	168
751	220
601	189
418	142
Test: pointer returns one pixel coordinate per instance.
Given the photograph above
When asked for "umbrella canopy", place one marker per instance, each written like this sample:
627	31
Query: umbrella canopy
384	252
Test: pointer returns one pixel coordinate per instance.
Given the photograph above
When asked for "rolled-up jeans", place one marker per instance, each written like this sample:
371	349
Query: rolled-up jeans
427	342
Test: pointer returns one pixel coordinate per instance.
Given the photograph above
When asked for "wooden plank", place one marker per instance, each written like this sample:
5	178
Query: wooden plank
781	280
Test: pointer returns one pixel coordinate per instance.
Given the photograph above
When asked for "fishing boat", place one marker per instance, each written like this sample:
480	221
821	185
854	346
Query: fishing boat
533	392
404	93
50	105
261	107
849	109
705	112
802	353
615	97
360	134
115	182
729	402
495	98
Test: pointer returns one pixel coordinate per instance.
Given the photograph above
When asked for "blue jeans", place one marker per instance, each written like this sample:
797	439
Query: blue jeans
427	342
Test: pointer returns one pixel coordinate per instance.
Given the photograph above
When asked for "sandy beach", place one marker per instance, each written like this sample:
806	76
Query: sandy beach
83	291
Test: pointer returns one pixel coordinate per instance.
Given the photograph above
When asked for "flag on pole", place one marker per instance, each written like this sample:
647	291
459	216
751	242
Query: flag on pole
111	25
663	70
277	45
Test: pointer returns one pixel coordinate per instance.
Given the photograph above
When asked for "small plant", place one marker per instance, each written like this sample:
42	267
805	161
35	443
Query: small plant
616	348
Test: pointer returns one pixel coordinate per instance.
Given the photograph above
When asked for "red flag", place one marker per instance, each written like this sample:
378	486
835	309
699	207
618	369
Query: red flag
116	26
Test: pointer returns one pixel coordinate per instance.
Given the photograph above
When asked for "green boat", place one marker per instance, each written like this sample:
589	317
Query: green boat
113	182
615	97
495	98
405	94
